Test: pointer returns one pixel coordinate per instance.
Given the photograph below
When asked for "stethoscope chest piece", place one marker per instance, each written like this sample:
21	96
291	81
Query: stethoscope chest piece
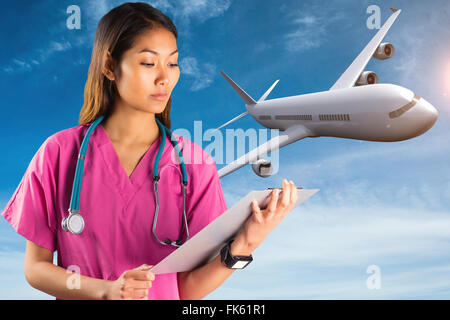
74	223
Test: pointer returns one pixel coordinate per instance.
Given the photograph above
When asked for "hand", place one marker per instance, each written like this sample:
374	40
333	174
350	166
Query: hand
132	284
261	222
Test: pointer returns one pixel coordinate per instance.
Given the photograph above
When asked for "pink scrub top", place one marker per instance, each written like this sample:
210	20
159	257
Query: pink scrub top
118	210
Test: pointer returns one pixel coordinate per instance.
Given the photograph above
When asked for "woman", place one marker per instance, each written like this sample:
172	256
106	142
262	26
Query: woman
134	57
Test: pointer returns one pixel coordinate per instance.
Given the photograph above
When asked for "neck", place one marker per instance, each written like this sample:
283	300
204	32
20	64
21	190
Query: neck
129	126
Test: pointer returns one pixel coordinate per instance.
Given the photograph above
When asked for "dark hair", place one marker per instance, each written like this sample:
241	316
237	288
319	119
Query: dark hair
116	32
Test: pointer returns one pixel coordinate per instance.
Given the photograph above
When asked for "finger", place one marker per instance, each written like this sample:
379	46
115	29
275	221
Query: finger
131	294
137	284
294	193
286	195
145	297
140	275
140	293
143	267
257	211
126	294
271	207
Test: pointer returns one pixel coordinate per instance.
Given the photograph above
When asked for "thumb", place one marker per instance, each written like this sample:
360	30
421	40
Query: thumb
144	267
256	210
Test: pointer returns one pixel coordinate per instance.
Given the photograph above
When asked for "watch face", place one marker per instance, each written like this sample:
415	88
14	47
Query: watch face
240	264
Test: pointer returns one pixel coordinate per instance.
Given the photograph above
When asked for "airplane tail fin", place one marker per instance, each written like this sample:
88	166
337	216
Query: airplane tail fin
250	102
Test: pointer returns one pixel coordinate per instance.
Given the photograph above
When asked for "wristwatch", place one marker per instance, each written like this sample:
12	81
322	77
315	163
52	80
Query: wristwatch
233	262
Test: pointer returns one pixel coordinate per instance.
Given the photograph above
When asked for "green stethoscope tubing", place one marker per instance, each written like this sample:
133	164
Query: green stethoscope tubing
76	188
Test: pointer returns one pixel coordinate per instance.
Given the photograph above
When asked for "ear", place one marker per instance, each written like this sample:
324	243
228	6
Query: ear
108	68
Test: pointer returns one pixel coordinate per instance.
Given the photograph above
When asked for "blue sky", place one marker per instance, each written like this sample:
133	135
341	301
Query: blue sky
383	204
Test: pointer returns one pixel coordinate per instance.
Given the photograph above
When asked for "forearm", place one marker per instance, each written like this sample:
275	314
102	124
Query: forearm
200	282
52	279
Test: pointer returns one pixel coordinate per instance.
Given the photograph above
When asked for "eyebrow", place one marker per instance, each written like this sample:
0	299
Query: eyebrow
152	51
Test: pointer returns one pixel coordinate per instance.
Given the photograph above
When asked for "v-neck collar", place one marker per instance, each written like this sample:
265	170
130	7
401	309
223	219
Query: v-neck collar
142	171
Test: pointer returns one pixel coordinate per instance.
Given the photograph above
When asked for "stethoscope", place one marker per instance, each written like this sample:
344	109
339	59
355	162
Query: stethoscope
74	223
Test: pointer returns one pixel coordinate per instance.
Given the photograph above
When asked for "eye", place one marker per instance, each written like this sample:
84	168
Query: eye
152	64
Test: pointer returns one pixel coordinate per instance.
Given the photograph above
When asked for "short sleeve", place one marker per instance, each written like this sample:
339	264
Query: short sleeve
207	199
31	209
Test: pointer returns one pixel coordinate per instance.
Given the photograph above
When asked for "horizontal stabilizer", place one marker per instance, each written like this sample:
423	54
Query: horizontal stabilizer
264	96
232	120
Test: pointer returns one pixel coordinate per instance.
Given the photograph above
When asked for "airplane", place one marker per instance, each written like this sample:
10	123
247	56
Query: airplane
355	107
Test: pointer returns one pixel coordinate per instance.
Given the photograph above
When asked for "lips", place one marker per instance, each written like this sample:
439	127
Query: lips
159	96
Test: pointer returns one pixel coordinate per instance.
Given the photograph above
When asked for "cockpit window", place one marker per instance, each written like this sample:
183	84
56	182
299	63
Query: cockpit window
398	112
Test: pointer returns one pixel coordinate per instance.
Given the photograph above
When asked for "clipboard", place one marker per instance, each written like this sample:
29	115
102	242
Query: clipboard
208	242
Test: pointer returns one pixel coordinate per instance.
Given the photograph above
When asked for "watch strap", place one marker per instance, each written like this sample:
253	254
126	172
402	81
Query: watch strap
233	262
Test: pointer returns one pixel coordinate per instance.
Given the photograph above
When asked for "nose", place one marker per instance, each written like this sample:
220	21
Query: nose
428	112
162	76
162	79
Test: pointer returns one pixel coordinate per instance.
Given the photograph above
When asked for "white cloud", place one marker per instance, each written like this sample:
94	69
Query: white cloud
417	283
182	12
203	75
306	19
352	236
322	252
17	66
309	29
94	10
37	57
200	10
355	160
308	33
262	46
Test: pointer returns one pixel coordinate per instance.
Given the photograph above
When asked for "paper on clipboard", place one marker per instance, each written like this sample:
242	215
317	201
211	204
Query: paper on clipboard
206	244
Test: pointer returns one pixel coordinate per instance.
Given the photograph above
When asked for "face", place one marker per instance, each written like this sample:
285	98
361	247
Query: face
150	67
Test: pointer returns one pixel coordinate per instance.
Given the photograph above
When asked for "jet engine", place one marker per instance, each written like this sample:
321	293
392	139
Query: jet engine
263	168
384	51
367	77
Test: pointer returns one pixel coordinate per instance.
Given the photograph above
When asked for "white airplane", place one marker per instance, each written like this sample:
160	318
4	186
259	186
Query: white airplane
355	107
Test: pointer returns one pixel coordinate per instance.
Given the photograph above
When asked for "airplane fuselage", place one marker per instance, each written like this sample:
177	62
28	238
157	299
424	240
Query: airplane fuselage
377	112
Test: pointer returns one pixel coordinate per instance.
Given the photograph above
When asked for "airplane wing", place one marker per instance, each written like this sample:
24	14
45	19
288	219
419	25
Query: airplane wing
349	77
291	134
